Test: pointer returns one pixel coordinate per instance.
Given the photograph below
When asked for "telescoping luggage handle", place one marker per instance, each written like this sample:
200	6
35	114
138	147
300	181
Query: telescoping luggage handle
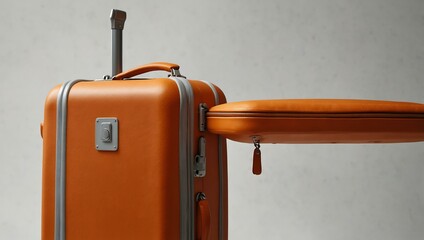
117	20
156	66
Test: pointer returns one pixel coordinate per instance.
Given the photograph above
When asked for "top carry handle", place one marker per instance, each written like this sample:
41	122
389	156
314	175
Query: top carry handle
156	66
117	20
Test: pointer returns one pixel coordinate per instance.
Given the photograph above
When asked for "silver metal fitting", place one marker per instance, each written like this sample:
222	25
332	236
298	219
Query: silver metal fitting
200	196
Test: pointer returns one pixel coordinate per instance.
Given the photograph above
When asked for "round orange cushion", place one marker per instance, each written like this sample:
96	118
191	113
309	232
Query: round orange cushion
318	121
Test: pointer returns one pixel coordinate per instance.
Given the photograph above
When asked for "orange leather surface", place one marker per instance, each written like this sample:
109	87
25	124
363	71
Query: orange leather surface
123	194
204	215
132	193
320	106
318	121
156	66
257	162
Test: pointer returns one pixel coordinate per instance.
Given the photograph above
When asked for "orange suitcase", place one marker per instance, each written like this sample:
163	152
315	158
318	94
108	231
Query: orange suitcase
146	158
126	159
131	158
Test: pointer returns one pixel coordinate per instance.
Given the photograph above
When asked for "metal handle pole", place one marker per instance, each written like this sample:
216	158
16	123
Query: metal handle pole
117	19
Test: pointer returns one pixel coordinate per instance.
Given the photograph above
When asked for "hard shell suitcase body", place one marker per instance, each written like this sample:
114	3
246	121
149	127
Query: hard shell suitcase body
145	185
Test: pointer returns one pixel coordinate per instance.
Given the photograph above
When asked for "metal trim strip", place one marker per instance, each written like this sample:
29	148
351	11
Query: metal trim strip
190	159
60	181
221	171
185	161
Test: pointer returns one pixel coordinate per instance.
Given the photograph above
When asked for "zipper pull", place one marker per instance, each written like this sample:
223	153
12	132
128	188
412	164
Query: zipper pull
257	162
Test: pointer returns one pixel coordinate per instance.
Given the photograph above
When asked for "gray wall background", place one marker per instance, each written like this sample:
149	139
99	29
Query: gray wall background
372	49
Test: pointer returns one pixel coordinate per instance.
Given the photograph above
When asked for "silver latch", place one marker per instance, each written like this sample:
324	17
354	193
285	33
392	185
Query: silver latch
200	196
200	159
203	109
106	134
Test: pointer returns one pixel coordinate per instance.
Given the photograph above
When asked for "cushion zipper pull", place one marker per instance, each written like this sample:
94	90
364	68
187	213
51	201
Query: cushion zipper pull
257	162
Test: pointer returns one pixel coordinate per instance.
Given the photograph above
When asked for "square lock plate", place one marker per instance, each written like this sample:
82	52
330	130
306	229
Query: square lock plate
106	134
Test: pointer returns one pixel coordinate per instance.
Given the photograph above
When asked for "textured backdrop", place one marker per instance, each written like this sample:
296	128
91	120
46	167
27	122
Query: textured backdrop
372	49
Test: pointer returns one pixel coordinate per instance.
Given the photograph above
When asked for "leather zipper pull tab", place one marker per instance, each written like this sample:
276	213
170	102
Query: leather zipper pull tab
257	162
